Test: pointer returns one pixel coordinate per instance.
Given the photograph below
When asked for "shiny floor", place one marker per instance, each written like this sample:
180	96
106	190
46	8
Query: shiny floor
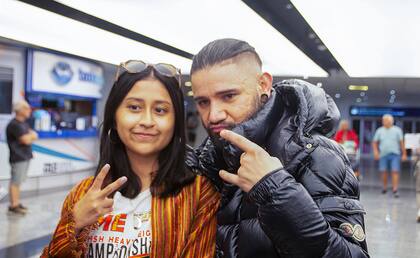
391	229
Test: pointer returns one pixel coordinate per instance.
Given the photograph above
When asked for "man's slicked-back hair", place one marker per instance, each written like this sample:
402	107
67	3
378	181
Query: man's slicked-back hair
221	50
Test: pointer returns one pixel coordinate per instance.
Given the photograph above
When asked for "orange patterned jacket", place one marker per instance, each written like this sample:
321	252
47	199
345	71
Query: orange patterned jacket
182	226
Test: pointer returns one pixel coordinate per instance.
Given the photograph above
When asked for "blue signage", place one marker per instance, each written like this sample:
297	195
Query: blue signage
380	111
90	77
50	73
62	73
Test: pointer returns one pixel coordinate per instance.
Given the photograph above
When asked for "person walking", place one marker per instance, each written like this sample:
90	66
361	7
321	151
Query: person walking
389	149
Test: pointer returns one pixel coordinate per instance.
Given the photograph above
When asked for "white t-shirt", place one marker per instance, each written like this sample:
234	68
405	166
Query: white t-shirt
126	232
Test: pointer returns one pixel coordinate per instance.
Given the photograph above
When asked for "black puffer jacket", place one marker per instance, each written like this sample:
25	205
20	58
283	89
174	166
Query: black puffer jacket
309	208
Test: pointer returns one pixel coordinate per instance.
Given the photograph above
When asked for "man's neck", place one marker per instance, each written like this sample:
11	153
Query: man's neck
20	118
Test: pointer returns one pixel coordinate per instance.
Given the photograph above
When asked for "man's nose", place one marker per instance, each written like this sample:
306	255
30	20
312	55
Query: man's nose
217	114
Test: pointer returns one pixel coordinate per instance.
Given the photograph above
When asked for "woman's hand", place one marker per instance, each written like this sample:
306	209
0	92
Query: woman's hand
96	203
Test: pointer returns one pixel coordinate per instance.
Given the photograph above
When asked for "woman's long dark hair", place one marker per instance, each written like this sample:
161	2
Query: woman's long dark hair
172	174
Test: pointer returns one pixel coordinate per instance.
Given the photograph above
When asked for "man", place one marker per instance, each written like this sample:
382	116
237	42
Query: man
296	195
388	145
417	177
19	139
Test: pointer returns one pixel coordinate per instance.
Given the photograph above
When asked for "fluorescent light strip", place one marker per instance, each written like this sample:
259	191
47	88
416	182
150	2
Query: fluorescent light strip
374	38
22	22
190	24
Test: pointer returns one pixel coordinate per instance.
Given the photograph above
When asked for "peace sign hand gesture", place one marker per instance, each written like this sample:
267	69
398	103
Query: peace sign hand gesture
96	203
255	162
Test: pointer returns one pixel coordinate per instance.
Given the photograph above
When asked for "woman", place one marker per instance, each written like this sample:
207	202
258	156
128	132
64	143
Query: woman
161	209
350	142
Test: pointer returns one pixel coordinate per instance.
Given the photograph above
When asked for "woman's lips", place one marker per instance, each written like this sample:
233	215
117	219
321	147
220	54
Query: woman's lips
144	136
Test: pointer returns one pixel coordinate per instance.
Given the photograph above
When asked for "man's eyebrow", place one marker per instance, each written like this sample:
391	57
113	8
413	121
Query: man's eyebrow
219	93
224	92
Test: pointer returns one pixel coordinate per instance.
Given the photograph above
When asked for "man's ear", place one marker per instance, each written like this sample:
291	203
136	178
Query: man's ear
266	83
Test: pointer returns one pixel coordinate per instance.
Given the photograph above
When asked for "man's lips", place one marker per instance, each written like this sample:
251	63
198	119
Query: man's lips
218	128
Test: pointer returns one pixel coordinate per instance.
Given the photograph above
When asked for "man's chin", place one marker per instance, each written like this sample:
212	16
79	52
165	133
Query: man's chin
215	138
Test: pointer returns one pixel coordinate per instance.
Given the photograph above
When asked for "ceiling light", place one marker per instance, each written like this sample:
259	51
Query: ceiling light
392	92
358	100
322	47
362	94
195	26
188	84
190	94
337	96
381	40
359	87
73	37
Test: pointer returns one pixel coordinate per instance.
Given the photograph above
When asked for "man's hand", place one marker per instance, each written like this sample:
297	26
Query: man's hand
255	162
34	135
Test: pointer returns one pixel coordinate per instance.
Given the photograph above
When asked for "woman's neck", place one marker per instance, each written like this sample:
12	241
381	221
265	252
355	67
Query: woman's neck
143	167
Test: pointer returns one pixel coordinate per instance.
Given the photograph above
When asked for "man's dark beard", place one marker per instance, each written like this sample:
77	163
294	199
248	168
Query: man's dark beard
215	137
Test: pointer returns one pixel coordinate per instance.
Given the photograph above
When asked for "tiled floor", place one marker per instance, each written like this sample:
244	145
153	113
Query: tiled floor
391	229
390	223
29	229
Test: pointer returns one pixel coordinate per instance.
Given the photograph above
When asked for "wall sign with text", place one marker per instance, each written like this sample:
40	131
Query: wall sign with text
52	73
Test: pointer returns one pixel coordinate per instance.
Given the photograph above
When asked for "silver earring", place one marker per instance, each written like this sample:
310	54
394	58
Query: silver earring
110	136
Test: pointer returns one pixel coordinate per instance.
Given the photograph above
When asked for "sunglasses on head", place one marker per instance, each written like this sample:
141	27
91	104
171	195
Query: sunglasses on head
137	66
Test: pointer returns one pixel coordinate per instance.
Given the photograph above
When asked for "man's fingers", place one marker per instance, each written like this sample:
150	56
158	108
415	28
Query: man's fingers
99	179
239	141
229	177
109	189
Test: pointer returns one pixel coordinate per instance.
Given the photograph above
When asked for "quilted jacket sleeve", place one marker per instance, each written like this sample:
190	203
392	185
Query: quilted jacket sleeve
296	225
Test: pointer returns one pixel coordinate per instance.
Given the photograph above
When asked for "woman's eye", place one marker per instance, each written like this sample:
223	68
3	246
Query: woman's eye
161	111
134	107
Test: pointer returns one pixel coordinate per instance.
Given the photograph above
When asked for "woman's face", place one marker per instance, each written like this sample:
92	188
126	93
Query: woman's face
145	119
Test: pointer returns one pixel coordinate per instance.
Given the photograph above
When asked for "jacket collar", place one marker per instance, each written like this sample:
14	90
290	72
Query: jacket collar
295	109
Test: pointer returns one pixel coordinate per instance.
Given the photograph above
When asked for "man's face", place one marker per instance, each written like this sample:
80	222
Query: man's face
227	94
387	122
25	111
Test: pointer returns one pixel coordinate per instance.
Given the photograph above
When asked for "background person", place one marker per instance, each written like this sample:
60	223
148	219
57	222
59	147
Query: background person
388	148
350	141
19	139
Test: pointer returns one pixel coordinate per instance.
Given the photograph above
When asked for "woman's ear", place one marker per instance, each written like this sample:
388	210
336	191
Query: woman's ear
266	83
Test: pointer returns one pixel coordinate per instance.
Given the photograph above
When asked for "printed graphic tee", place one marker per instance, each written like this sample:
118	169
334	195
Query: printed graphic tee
126	232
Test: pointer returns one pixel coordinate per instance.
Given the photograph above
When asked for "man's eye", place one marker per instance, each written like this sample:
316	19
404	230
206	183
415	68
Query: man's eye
203	103
228	96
